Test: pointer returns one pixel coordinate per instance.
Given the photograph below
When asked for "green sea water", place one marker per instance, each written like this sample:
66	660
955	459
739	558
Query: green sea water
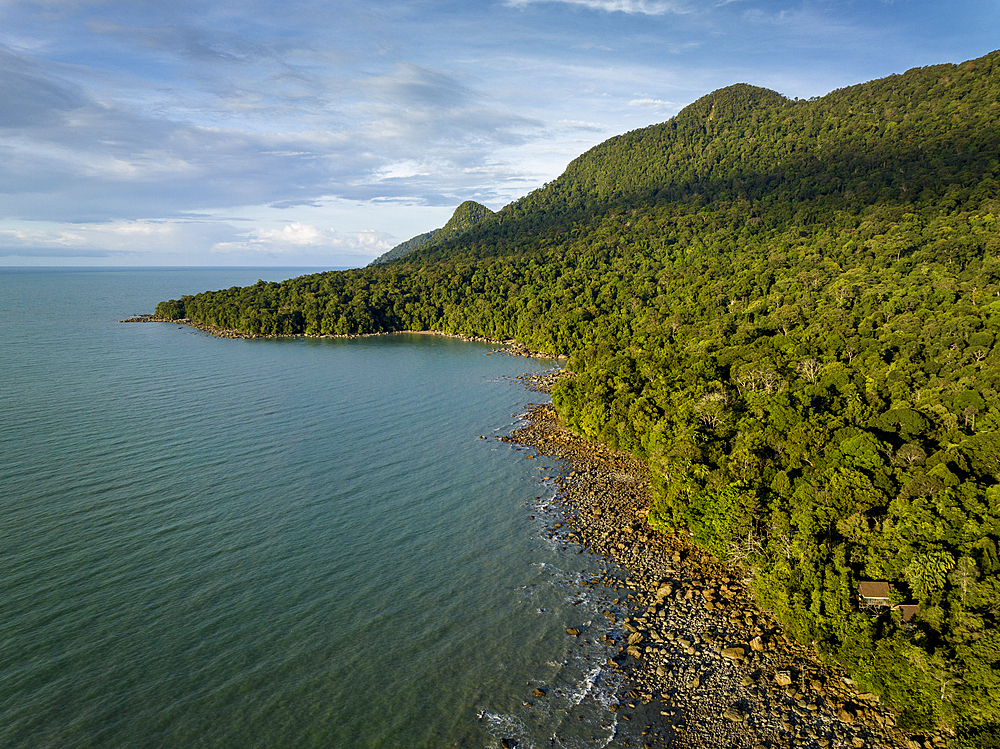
274	543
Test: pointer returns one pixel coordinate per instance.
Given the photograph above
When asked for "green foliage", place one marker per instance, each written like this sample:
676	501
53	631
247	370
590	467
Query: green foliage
788	308
173	309
722	517
927	572
466	216
405	248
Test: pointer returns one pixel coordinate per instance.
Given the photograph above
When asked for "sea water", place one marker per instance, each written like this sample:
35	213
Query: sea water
277	542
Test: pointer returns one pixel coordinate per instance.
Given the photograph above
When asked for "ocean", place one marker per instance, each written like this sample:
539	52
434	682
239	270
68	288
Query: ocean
275	542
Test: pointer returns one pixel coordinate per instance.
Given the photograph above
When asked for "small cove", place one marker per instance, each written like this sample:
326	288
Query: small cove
261	543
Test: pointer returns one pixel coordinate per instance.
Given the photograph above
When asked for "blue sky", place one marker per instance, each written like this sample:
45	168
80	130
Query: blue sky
322	134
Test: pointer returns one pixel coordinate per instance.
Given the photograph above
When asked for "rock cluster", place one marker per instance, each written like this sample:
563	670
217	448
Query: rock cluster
214	330
704	665
508	347
147	318
513	348
542	382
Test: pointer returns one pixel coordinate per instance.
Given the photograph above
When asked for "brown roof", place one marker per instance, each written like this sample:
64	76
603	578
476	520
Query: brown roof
874	589
908	610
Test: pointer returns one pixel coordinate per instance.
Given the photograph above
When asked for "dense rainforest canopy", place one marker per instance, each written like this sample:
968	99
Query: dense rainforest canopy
788	308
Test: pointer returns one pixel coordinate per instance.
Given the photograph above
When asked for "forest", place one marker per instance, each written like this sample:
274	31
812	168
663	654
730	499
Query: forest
790	310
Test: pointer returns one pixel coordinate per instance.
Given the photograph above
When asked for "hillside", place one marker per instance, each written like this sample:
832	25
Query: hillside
465	217
789	309
405	248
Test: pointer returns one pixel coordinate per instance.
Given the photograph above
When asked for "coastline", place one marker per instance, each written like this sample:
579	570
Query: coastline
509	346
703	665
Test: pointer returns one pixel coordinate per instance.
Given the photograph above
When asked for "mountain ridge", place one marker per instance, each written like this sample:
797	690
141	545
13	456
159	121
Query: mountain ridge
467	215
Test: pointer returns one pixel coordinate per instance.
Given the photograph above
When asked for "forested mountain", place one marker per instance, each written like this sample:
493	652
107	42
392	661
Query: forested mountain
405	248
467	215
790	309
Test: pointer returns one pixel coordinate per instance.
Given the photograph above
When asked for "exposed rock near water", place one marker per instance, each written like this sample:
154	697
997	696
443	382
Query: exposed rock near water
210	329
508	347
149	318
704	665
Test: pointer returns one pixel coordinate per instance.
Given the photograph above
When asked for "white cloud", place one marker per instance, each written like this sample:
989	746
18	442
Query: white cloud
295	238
658	104
593	127
636	7
114	238
184	242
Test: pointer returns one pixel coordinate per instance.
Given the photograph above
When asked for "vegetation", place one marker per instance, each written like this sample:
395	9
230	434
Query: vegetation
405	248
467	215
790	309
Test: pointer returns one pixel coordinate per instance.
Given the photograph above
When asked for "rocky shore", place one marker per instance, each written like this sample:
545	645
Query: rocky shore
508	347
704	666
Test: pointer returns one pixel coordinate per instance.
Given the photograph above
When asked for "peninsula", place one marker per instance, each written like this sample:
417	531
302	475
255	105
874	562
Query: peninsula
786	311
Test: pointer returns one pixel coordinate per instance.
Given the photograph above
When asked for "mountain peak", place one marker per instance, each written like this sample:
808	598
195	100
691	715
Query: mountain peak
731	103
466	216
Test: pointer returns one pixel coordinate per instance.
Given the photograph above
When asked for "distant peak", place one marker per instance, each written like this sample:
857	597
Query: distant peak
731	102
467	215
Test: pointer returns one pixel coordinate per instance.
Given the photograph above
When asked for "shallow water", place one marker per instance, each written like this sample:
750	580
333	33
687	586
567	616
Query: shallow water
262	543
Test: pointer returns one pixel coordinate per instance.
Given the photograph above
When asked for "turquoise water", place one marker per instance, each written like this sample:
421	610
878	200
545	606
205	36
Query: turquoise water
273	543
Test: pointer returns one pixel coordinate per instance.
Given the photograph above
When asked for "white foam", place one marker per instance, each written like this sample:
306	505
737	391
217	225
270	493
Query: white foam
506	726
588	683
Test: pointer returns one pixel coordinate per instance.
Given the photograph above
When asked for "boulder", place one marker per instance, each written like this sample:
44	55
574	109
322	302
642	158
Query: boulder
783	678
539	692
757	644
663	592
733	654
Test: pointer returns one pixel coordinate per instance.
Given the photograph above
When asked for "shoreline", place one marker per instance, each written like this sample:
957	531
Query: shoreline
703	665
510	346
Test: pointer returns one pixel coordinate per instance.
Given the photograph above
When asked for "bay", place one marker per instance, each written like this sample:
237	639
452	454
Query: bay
264	543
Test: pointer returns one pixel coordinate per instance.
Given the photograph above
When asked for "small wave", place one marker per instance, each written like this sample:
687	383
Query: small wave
506	727
589	680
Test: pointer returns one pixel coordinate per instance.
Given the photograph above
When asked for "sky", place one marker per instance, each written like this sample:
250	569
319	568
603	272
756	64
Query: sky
321	134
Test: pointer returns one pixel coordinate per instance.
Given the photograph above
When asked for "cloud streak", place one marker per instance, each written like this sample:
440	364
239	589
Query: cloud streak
630	7
305	240
68	155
